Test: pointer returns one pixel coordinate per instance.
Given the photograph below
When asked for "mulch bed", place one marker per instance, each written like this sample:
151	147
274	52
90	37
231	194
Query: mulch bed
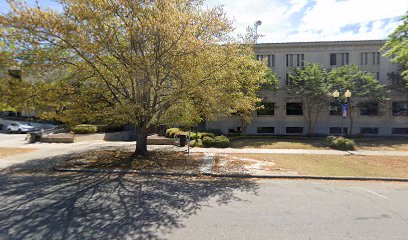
122	158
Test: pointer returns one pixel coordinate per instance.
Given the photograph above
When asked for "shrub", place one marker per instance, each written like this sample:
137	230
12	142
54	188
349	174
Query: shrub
215	131
341	143
193	135
207	134
218	142
208	142
194	143
108	128
199	143
221	142
85	129
171	132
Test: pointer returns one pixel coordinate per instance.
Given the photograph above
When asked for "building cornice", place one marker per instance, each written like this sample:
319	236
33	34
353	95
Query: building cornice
322	44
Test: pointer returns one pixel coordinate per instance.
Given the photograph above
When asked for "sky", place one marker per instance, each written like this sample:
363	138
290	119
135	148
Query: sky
306	20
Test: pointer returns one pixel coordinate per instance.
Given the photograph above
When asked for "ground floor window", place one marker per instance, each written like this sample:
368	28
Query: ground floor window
337	130
369	130
400	108
294	130
400	131
265	130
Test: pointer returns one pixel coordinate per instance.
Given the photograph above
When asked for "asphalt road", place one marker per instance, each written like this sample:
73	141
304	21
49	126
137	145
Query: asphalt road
102	206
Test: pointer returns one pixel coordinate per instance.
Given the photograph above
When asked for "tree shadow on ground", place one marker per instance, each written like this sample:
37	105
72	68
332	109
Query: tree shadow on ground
105	206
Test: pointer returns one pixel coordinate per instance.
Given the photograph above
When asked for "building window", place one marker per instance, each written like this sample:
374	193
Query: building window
260	57
332	59
336	130
271	61
400	131
335	109
395	78
400	108
294	109
369	109
339	59
294	130
265	130
369	130
370	58
297	60
268	109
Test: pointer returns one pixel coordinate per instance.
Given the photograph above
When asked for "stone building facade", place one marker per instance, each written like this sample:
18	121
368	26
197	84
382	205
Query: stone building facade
283	115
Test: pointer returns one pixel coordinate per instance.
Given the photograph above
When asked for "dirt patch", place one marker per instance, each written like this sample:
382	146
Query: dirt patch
5	152
230	164
124	159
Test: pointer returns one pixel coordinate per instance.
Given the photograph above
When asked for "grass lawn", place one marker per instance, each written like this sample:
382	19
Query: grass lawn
280	143
377	144
123	159
333	165
5	152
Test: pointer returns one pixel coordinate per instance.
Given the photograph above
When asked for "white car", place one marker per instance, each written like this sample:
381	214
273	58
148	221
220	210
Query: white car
20	127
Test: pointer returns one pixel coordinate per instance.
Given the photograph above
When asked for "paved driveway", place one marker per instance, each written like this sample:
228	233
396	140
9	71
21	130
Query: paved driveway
12	140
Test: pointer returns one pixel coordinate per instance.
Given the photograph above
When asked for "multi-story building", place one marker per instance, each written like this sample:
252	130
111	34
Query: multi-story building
283	115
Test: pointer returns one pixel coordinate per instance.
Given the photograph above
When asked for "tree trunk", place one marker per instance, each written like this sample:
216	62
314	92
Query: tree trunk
309	123
141	141
351	121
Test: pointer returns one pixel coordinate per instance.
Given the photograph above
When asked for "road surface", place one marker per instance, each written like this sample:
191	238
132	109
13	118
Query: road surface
103	206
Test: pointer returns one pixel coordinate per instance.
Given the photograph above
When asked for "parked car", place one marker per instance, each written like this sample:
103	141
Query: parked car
20	127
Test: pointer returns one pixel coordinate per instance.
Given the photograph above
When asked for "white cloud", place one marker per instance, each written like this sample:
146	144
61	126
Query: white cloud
323	20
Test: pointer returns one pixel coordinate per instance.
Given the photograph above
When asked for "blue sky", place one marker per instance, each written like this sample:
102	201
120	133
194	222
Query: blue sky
306	20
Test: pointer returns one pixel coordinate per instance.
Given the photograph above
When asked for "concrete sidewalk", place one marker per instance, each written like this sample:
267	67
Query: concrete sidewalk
299	151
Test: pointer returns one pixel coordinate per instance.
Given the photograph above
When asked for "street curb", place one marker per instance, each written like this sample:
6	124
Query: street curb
144	173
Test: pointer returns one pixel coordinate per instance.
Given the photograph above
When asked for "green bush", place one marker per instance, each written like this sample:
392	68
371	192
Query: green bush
85	129
108	128
218	142
215	131
341	143
208	142
207	134
194	135
194	143
221	142
171	132
201	135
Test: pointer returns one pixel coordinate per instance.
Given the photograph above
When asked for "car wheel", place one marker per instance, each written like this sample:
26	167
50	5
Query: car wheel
9	130
19	131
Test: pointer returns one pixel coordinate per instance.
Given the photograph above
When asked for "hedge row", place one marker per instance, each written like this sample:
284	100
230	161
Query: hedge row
202	139
176	132
90	128
218	142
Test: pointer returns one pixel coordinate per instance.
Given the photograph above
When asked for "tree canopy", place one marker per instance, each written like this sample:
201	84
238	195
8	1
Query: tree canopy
396	47
310	84
137	62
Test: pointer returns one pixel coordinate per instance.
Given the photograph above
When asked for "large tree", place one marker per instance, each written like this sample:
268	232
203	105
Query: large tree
397	45
310	85
138	62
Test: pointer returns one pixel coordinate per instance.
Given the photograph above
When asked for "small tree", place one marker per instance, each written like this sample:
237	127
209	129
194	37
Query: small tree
363	85
310	85
396	47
